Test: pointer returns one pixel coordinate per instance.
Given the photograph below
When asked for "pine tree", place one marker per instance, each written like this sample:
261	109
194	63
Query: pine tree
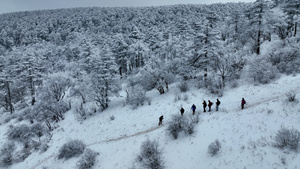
120	52
256	22
30	70
138	52
6	82
292	9
206	44
103	75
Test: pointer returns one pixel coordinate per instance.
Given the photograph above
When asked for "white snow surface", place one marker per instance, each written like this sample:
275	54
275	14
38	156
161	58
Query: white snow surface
246	136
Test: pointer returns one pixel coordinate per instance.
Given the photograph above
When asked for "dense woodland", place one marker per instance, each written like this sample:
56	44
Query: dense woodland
89	51
50	56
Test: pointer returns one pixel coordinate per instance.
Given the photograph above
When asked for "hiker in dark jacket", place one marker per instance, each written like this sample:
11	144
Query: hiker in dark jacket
160	120
217	104
193	109
209	105
204	106
243	103
182	111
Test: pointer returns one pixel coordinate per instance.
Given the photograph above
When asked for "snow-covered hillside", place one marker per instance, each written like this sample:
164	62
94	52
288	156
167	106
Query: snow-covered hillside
246	136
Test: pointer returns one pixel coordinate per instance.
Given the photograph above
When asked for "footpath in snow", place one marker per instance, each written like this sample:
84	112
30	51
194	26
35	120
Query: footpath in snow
245	135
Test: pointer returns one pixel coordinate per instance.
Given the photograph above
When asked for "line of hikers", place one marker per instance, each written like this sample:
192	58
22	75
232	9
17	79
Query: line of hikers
209	104
243	102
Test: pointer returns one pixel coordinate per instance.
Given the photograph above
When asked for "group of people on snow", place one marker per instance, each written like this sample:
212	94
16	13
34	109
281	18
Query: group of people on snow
209	104
193	108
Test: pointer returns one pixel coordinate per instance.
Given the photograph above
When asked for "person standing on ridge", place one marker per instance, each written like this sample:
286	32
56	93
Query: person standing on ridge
204	105
209	105
193	109
217	104
182	111
243	103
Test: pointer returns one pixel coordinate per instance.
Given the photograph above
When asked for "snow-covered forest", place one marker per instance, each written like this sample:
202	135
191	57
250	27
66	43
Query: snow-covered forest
80	67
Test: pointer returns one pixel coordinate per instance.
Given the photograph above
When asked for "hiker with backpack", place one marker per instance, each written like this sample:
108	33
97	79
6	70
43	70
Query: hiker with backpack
209	105
217	104
182	111
193	109
160	120
204	105
243	103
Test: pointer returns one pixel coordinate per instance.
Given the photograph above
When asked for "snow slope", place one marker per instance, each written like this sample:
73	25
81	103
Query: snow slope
246	136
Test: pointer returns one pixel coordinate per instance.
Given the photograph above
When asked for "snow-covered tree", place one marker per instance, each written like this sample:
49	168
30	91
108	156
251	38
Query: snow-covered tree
292	9
30	69
7	82
256	16
120	51
103	76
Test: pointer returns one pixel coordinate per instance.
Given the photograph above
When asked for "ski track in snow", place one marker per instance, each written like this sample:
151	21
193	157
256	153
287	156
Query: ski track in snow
271	99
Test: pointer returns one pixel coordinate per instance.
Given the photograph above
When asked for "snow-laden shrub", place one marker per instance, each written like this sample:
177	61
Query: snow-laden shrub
71	149
6	154
43	147
38	129
180	124
291	96
52	93
136	95
88	159
285	58
9	118
174	128
150	156
150	79
183	87
55	87
147	81
212	84
282	160
183	97
52	111
21	155
80	112
214	148
287	138
112	117
21	133
261	71
28	114
161	86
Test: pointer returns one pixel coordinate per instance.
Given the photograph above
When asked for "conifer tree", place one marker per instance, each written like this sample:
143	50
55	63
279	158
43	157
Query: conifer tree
292	9
103	75
256	20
